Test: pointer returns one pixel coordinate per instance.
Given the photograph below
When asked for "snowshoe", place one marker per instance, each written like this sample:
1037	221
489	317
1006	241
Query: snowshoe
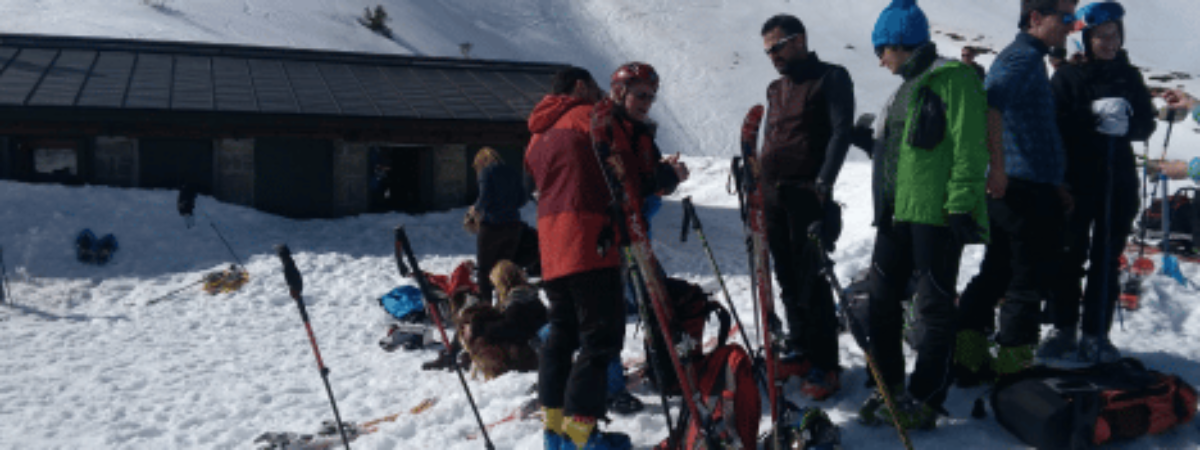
84	243
104	249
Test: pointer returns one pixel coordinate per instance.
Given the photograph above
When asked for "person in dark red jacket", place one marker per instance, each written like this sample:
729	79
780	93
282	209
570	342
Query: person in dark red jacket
808	128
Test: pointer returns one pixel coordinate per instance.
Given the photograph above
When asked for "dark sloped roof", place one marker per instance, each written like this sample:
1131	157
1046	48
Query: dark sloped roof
114	74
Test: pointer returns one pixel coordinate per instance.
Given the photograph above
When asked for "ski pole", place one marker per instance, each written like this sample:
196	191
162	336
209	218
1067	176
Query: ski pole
689	212
1106	245
173	293
403	250
5	293
735	171
860	337
295	287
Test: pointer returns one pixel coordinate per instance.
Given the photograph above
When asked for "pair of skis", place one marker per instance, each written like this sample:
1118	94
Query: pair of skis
328	436
649	287
747	173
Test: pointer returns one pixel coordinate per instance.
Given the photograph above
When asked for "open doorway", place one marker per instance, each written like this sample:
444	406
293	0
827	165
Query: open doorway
171	163
397	178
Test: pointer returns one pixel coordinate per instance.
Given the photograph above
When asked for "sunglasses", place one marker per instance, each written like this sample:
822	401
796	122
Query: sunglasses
779	45
645	96
1067	19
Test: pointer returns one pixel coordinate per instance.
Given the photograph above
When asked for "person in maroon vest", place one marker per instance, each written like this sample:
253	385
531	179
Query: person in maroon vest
808	128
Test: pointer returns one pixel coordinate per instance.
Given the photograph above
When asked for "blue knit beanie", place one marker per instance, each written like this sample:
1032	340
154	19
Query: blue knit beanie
902	23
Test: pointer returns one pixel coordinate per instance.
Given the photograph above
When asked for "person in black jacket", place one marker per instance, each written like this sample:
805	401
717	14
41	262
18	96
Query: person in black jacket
1103	104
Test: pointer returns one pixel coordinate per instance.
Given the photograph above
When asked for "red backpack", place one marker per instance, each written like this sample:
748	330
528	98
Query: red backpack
726	380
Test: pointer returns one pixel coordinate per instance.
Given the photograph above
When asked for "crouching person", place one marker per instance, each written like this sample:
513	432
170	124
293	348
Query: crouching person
498	338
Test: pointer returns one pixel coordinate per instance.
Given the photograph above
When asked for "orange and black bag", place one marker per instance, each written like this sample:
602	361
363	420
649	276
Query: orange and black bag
1082	408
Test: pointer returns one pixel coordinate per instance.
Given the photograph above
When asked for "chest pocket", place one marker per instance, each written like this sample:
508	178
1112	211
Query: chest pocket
930	127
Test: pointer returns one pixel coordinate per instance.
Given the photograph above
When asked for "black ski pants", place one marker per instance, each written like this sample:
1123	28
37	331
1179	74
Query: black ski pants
1085	244
806	296
514	241
1021	262
930	253
586	314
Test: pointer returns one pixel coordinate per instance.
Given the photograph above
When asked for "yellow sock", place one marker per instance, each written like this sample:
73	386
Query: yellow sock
579	429
553	419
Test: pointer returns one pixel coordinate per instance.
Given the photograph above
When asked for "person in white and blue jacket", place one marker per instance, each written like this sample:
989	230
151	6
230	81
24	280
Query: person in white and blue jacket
1027	222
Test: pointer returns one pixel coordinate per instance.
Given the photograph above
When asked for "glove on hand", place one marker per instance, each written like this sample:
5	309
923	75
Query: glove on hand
1112	116
964	229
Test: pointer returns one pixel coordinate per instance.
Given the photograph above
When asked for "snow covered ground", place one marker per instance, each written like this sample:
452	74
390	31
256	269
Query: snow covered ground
86	364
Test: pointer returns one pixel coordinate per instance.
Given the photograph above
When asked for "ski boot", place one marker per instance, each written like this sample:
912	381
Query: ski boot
580	433
819	385
1058	344
973	362
84	243
104	249
1010	360
1098	350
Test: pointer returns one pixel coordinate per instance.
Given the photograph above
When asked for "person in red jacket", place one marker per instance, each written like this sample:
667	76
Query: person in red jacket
583	286
582	282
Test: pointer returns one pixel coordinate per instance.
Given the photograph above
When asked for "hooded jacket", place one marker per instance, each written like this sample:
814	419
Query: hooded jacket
942	162
572	198
1076	86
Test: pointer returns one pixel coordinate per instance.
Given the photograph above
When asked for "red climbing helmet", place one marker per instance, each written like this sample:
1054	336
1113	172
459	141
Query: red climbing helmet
634	72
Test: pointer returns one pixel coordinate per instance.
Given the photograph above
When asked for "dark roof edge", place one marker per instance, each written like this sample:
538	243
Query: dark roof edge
261	52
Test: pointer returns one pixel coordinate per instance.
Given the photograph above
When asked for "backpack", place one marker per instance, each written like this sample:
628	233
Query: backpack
405	304
690	307
1185	218
1078	409
726	380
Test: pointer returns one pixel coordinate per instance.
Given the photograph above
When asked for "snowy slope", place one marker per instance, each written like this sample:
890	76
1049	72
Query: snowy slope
707	51
87	365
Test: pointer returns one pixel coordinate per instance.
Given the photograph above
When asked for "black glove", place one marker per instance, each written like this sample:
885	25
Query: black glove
863	135
965	230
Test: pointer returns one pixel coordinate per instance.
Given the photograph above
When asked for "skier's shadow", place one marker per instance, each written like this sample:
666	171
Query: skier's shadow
48	316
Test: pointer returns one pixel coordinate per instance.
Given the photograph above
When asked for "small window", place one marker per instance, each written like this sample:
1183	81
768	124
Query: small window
56	162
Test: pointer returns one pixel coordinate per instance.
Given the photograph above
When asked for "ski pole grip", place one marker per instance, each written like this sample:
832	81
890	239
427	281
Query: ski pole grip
687	219
290	273
401	239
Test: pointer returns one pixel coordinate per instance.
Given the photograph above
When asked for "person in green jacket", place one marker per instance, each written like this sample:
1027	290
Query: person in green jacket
930	156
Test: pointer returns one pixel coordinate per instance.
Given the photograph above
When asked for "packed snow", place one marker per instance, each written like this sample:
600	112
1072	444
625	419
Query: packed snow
87	364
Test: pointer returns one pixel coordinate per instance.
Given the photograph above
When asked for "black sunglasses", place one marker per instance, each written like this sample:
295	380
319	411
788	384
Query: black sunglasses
779	45
645	96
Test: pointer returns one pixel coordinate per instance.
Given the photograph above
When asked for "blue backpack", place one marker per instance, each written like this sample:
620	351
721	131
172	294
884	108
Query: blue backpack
405	304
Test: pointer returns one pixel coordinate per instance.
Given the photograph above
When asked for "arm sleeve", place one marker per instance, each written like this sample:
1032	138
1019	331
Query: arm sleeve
840	95
665	179
1004	82
1143	122
1072	110
966	117
486	193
